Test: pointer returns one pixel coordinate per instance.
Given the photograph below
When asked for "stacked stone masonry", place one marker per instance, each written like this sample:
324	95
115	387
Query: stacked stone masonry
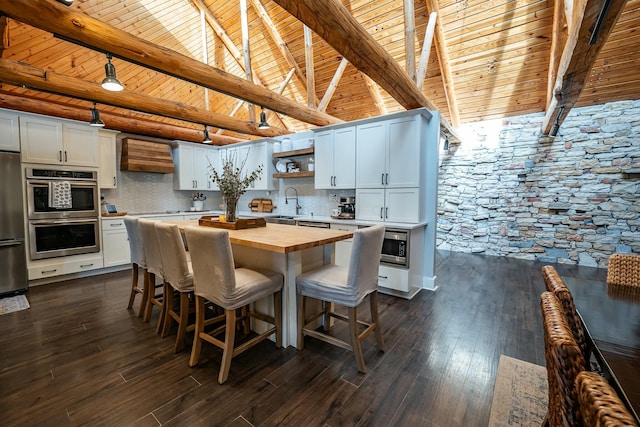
570	199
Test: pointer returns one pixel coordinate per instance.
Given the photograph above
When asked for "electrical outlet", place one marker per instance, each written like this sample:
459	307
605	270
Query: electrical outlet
333	197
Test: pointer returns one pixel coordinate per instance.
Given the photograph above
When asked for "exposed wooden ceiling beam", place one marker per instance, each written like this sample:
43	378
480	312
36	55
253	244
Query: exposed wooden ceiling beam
558	40
281	44
112	121
592	22
85	30
246	52
410	38
4	33
426	49
308	59
445	69
19	74
333	85
335	24
374	90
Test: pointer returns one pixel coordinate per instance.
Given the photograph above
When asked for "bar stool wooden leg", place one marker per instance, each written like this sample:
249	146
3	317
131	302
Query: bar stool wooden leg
184	319
227	352
375	318
167	306
199	329
355	339
151	289
134	284
145	293
301	315
277	307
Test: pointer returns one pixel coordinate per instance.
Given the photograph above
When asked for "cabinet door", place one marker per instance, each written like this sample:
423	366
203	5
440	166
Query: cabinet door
323	175
115	245
80	145
403	153
371	155
41	140
183	161
402	205
344	158
370	204
108	169
201	168
10	131
259	155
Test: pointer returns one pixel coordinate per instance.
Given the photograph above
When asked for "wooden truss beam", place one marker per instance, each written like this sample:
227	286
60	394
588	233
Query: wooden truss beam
410	39
19	74
591	24
79	28
308	59
426	49
333	85
335	24
123	123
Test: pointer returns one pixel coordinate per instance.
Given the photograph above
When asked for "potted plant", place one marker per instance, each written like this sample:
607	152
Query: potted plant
198	201
233	182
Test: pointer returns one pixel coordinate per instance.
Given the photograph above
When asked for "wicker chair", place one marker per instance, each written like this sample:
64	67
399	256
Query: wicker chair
564	362
554	283
623	270
600	406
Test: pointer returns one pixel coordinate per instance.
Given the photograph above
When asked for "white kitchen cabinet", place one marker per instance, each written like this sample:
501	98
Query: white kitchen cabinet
60	266
115	242
10	131
192	166
108	165
388	153
51	141
335	158
255	153
391	204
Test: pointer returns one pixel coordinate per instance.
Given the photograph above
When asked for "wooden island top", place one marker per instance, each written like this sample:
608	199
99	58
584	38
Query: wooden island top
279	237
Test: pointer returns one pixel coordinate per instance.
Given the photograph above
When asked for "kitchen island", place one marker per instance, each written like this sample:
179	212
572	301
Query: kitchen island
288	249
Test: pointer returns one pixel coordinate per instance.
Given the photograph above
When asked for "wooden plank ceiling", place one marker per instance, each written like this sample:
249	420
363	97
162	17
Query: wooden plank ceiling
498	54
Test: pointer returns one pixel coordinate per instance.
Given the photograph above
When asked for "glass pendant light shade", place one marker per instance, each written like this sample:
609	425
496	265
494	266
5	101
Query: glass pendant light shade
111	82
263	120
95	117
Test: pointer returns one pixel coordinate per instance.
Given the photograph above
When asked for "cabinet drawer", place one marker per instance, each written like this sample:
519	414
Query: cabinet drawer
64	266
113	224
393	278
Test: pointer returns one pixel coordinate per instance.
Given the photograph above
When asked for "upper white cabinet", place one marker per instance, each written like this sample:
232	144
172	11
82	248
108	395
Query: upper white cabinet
108	166
52	141
388	153
255	153
335	155
192	166
10	131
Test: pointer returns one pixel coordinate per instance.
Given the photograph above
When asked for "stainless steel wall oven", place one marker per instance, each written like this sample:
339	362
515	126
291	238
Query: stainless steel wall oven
70	228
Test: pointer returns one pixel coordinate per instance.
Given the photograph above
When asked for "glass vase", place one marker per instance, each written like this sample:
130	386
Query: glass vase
231	208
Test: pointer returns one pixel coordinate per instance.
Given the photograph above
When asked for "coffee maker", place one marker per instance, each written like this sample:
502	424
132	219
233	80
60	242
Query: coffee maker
347	207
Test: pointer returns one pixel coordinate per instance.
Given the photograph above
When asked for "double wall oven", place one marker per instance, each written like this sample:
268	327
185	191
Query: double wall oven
70	228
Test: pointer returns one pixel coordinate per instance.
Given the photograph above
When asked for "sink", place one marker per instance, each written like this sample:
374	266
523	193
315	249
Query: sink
281	219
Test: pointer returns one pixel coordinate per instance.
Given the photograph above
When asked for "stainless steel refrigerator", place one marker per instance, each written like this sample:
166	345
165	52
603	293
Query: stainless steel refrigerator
13	258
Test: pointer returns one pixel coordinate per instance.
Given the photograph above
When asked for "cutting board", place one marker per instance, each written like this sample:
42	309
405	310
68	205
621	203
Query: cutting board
261	205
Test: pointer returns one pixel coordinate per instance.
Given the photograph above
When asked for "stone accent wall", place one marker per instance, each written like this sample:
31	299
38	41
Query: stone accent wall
572	199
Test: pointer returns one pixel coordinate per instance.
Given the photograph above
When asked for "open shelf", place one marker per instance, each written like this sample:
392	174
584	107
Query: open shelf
292	153
302	174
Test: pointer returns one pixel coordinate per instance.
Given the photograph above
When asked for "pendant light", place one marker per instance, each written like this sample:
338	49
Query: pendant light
111	82
95	118
263	120
66	2
206	138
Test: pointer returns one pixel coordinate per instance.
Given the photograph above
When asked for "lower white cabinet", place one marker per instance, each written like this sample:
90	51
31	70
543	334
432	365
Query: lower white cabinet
115	242
46	268
391	204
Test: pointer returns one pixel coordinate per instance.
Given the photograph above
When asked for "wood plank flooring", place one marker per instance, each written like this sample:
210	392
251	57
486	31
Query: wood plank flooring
79	357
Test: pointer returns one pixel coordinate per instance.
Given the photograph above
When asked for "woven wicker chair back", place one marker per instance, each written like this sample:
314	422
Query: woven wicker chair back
564	362
623	270
599	403
555	284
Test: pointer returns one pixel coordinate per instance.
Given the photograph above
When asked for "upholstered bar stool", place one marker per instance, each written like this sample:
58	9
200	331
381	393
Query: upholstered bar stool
348	287
154	268
177	276
138	261
599	403
564	362
216	279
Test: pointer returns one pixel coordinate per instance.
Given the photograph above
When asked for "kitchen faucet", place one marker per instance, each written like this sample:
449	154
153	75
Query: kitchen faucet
286	199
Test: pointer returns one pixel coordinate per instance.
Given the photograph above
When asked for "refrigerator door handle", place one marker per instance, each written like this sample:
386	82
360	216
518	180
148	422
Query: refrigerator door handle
8	243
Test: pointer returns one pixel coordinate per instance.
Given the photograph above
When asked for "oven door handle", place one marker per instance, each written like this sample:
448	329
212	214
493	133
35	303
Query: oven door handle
68	221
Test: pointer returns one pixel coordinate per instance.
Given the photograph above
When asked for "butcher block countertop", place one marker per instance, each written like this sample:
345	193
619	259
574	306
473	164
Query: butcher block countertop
279	237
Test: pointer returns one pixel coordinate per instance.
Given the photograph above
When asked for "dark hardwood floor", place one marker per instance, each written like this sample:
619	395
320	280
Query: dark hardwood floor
79	357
